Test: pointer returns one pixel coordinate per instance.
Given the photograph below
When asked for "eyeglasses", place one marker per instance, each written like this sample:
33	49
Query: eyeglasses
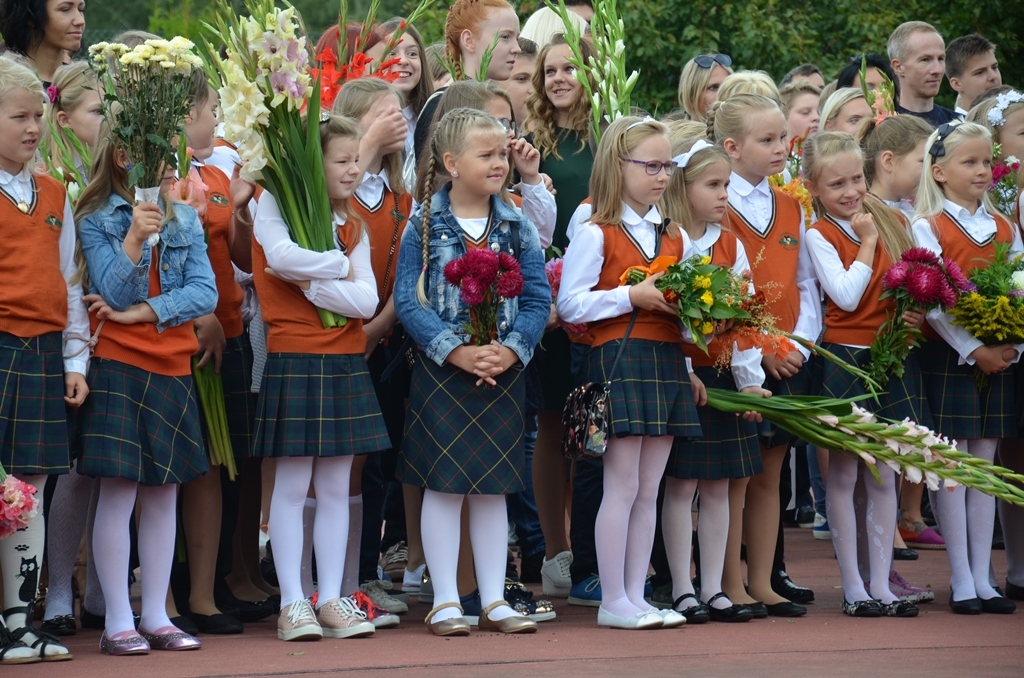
509	125
653	167
709	60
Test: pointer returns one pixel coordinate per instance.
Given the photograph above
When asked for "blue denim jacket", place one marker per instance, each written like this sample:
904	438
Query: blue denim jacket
187	287
439	329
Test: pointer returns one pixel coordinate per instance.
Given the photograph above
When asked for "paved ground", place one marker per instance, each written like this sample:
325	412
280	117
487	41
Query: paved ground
825	643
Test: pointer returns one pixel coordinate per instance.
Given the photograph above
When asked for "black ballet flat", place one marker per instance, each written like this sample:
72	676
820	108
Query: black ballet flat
695	614
998	605
245	611
217	624
786	609
1014	592
730	615
758	610
969	606
904	554
901	608
863	608
88	620
62	626
185	624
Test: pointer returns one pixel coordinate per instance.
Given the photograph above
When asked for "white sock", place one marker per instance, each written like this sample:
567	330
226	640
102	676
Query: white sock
981	515
440	526
350	580
713	533
291	527
677	529
330	529
842	522
157	524
68	511
112	548
880	523
487	515
93	600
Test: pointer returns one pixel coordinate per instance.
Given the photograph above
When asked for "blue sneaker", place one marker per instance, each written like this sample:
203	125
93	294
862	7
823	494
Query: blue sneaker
471	607
820	528
648	588
586	593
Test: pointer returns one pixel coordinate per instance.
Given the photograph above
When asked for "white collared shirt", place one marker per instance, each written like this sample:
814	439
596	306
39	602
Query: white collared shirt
746	364
20	187
753	202
903	206
410	120
980	226
370	191
578	301
845	287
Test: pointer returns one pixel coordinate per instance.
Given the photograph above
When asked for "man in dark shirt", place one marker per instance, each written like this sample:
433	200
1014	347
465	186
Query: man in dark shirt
918	56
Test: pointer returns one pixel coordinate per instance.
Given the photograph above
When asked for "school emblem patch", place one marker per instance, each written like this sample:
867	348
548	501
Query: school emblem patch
789	242
53	221
219	199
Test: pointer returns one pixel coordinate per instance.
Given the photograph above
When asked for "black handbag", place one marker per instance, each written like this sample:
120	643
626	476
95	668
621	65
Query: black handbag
587	410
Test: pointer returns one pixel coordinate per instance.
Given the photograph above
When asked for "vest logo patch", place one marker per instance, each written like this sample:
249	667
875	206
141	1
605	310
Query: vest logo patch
789	242
219	199
53	221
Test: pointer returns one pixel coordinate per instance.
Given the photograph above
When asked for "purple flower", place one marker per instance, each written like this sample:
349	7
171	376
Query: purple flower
896	276
472	292
510	284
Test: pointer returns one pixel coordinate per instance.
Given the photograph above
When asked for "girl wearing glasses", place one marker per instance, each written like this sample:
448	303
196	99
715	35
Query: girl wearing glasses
652	399
699	82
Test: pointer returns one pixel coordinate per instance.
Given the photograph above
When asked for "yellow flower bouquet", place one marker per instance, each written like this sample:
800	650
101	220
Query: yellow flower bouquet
994	313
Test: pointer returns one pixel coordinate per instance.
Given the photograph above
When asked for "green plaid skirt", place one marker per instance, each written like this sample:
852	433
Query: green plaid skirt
461	438
959	409
236	376
140	426
317	406
33	417
729	446
650	394
902	398
802	383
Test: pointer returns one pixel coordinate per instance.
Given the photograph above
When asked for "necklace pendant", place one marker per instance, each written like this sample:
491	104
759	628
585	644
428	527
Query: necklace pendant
23	206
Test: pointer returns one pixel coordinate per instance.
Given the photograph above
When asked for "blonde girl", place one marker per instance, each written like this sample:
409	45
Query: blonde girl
800	105
769	223
697	198
75	106
651	398
699	82
749	82
317	407
454	445
852	246
844	110
954	218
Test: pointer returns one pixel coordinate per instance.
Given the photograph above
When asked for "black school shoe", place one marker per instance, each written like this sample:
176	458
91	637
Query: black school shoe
62	626
969	606
757	610
216	624
904	554
782	585
697	613
863	608
1014	592
900	608
786	609
732	614
998	605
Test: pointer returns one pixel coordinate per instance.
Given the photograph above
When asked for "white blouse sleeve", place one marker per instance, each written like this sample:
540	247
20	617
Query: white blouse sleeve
539	207
844	286
356	298
746	364
78	313
808	321
288	260
578	301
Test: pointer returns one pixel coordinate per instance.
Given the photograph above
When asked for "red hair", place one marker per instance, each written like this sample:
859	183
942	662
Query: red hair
466	15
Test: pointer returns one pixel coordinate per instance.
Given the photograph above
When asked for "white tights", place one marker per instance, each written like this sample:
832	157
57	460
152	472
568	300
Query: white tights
712	531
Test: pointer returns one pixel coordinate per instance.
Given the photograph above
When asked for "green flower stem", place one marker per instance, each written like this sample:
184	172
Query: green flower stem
210	390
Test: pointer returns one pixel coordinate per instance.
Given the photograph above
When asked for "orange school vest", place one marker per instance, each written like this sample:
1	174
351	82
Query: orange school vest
217	225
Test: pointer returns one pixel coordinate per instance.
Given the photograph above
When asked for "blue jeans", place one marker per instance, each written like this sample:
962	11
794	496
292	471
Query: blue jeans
522	509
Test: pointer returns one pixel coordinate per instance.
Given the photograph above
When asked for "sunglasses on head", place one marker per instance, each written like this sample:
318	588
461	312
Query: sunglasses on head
709	60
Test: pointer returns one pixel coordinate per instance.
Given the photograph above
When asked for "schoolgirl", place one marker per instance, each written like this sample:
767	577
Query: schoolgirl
1003	115
412	82
651	397
697	198
41	298
464	427
852	246
955	219
769	223
317	408
844	110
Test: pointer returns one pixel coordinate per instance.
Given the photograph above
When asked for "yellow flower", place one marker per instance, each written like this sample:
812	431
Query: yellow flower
701	282
707	328
707	297
705	260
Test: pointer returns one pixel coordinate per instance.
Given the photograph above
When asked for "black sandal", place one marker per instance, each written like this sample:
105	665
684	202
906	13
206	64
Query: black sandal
7	643
696	613
43	638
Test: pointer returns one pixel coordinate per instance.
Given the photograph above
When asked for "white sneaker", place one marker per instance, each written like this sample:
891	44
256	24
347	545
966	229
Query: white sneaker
376	592
554	575
340	618
412	579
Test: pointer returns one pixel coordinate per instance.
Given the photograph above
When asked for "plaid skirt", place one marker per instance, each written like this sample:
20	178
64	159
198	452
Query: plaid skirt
140	426
33	417
461	438
315	405
236	377
902	398
650	394
802	383
729	446
959	408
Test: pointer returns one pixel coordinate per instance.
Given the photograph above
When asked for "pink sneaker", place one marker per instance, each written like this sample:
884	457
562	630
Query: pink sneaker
906	591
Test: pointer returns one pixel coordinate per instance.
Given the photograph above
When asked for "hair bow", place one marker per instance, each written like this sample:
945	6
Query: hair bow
684	158
938	148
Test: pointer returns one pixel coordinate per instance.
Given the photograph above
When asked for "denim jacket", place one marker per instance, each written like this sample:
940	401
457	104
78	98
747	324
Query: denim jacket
439	329
187	288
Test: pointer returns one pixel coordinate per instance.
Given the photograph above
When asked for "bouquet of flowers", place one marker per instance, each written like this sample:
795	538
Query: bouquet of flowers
150	84
266	84
484	279
795	187
702	292
1003	190
918	281
994	313
73	159
839	424
611	99
553	268
17	505
881	101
